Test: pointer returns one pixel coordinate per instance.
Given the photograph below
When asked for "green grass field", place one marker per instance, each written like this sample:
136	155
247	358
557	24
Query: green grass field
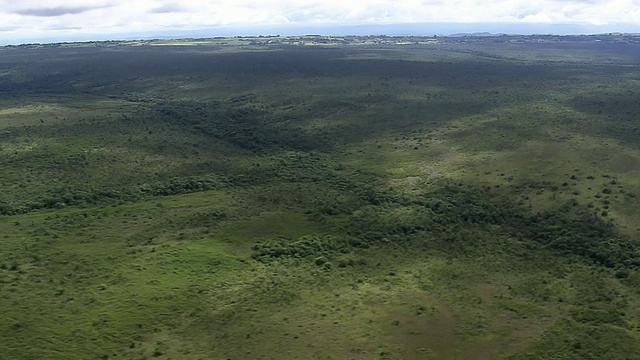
208	201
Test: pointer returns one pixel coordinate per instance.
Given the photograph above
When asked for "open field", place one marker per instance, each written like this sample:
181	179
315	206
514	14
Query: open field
221	200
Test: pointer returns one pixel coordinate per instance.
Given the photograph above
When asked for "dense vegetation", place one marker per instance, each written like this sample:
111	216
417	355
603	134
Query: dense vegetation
440	200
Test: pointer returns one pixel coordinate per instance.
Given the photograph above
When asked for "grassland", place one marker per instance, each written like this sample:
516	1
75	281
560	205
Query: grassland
210	201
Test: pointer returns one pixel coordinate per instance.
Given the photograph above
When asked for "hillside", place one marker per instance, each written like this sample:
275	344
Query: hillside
363	200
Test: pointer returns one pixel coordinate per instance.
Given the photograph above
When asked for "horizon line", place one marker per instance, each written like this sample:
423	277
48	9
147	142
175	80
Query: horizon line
443	29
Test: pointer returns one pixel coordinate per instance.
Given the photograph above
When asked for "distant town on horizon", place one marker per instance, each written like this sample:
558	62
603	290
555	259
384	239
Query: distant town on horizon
410	29
350	40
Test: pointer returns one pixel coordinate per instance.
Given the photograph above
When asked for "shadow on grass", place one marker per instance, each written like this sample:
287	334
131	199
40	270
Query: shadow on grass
617	114
112	71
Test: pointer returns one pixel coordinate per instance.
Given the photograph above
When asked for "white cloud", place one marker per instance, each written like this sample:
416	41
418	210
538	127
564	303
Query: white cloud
37	18
545	17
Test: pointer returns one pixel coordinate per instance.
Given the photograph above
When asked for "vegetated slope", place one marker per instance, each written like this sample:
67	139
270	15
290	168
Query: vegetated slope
312	203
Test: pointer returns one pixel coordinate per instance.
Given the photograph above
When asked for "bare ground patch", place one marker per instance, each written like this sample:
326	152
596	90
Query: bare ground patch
624	163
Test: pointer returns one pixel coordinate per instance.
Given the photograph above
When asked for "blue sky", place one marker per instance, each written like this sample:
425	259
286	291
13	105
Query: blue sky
67	20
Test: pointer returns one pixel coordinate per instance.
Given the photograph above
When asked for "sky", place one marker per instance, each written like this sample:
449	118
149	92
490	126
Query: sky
69	20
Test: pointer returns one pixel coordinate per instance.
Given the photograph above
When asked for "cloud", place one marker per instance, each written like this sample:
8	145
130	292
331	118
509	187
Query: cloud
545	17
58	28
170	8
55	11
8	28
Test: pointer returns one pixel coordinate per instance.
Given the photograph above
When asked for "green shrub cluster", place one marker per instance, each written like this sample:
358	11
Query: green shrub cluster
318	248
463	217
71	196
241	122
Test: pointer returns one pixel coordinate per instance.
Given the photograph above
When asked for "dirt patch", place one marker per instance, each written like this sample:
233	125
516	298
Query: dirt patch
549	150
624	163
510	333
429	335
436	332
540	152
486	293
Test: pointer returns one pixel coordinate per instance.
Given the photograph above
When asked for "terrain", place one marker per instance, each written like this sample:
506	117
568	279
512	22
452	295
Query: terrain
461	198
